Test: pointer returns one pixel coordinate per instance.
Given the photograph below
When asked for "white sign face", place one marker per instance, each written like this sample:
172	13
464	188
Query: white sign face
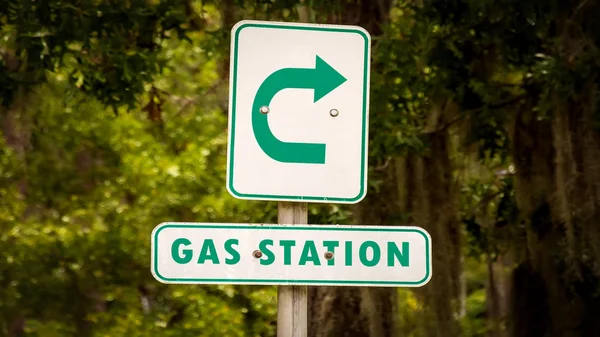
206	253
298	112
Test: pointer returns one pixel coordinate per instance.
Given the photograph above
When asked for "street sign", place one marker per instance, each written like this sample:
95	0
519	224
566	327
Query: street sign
298	112
208	253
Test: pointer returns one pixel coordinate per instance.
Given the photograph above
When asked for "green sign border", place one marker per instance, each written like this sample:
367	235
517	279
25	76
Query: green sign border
237	227
233	97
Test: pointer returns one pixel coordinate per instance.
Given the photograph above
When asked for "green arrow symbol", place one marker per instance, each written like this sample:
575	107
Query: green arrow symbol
322	79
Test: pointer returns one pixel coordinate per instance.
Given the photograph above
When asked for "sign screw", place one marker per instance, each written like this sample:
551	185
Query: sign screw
257	254
334	112
328	255
264	109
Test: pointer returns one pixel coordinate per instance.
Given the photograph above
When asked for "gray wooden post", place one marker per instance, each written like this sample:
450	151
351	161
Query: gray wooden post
292	307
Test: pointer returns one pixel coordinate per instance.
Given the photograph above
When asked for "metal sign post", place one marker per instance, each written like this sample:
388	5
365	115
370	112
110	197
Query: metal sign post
292	301
298	125
298	133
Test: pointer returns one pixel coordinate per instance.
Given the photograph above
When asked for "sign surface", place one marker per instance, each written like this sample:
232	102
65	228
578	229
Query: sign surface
205	253
298	112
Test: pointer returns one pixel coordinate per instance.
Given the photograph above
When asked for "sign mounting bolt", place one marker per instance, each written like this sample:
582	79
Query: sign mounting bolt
257	254
328	255
264	109
334	112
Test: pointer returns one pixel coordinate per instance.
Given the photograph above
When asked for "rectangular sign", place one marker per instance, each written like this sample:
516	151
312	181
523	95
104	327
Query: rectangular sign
298	112
209	253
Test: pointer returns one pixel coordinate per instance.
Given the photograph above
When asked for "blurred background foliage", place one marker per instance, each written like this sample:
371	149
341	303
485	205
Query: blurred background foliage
484	130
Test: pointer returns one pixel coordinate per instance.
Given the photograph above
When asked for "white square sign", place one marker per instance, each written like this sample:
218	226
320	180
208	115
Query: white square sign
298	112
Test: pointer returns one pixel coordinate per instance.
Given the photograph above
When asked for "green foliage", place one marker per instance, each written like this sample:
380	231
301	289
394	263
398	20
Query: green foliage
77	249
111	47
77	210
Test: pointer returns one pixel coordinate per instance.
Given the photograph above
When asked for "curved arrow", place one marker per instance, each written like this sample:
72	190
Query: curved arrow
323	79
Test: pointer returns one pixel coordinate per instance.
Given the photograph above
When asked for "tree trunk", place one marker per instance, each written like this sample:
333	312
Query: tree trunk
352	311
435	210
497	288
557	185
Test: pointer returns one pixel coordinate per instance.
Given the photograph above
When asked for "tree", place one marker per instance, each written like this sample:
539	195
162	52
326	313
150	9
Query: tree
82	188
526	73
